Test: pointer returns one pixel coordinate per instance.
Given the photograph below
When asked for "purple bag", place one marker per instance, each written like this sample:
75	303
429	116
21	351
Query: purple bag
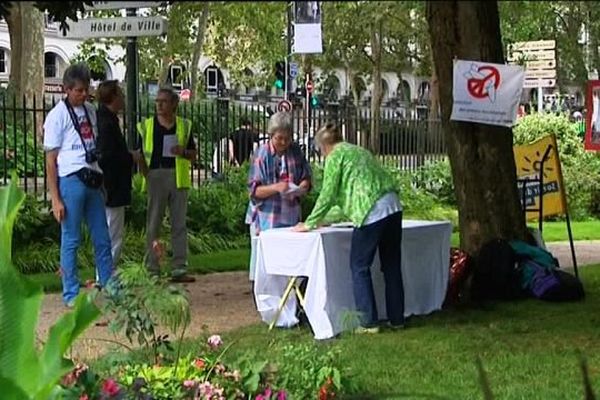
543	280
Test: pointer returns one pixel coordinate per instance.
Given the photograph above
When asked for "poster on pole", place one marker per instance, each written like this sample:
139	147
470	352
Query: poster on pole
592	123
528	160
486	93
308	37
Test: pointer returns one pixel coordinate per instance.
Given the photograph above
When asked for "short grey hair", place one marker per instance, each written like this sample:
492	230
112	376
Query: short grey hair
281	121
173	96
76	73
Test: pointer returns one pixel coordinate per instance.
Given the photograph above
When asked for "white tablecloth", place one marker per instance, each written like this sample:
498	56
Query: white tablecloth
323	256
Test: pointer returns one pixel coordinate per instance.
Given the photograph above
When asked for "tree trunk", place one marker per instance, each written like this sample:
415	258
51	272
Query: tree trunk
202	22
26	31
377	95
362	139
481	156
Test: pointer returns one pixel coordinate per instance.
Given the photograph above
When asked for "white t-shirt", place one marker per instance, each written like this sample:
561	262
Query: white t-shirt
387	205
59	133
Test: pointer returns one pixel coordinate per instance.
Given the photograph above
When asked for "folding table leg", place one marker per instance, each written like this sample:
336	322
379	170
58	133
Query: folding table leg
291	284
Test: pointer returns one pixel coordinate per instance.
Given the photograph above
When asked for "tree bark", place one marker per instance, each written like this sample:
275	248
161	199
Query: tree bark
377	95
202	22
362	139
481	156
26	31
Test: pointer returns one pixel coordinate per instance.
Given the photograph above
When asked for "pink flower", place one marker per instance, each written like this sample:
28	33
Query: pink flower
281	395
189	384
84	397
199	363
214	342
206	390
268	393
110	387
260	397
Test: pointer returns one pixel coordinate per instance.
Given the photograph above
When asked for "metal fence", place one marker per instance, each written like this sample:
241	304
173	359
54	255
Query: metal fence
404	144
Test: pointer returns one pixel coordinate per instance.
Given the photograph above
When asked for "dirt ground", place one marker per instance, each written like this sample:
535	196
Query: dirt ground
223	301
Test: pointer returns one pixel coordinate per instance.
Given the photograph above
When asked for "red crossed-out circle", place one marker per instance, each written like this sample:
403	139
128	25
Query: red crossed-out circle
476	87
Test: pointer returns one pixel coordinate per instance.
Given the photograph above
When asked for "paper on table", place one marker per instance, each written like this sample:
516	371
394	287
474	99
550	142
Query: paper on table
169	141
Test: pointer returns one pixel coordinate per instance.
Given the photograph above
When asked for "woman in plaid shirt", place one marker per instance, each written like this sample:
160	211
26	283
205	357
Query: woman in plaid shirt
278	167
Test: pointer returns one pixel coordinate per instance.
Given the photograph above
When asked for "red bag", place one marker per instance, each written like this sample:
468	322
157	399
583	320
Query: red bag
460	268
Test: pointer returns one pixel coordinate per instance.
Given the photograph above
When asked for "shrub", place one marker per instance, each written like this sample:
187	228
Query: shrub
581	169
21	151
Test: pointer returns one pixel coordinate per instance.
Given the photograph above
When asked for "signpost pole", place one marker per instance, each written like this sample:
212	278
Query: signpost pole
288	81
540	91
132	84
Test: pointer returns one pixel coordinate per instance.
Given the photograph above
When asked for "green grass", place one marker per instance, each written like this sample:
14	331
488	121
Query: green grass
529	349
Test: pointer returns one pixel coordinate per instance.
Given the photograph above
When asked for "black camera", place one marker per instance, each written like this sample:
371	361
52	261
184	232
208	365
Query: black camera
92	156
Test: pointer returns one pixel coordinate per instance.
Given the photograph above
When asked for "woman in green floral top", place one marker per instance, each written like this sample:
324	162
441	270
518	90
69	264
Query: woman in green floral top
356	182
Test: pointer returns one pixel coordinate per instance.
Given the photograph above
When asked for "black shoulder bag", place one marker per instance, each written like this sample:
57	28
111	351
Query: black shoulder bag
88	176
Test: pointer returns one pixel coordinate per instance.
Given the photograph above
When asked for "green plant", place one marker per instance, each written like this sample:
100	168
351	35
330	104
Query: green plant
25	372
436	179
21	151
139	301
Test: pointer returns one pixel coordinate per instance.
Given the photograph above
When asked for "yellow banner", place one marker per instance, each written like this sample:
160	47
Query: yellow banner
528	162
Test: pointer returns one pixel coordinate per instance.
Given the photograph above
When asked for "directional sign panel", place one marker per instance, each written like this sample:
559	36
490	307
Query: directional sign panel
534	83
117	27
534	45
533	55
118	5
540	74
545	64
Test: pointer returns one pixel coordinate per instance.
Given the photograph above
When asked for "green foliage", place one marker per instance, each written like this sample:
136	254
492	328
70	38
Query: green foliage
21	150
581	169
25	372
436	179
305	369
138	301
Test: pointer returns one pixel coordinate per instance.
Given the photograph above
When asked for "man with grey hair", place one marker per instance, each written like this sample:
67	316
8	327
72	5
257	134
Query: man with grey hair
169	150
75	180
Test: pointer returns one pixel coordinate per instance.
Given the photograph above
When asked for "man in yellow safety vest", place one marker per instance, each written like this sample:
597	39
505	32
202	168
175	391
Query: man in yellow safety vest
169	150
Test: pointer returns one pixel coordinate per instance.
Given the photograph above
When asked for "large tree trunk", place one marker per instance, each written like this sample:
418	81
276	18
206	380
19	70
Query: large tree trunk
202	22
377	95
26	31
481	156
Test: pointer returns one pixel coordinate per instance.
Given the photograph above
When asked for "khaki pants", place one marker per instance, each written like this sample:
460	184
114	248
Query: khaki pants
162	191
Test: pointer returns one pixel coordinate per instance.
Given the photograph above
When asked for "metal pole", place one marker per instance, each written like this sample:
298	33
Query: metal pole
288	81
132	84
540	97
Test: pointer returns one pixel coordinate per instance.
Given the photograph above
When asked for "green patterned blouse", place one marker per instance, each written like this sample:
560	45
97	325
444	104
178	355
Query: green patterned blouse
353	180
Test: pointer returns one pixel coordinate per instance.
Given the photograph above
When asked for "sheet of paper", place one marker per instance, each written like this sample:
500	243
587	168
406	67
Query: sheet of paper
169	141
293	189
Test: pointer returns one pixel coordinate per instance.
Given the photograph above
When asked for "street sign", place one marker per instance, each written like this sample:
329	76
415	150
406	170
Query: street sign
528	84
540	74
545	64
309	87
117	27
284	106
293	70
533	45
118	5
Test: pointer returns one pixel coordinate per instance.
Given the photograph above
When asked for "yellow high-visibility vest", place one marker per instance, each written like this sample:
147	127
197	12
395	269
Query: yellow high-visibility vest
182	165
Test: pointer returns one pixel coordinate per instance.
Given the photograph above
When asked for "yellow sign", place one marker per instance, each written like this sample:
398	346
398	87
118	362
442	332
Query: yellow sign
528	159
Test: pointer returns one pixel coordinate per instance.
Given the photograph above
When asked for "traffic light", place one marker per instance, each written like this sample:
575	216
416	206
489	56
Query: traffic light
280	74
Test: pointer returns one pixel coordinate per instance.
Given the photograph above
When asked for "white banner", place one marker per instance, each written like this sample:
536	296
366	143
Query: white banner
486	93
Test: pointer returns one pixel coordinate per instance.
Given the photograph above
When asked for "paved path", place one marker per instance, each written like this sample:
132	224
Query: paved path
223	301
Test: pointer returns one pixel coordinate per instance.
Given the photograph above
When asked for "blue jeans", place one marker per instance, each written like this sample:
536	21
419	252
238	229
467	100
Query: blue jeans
82	202
385	235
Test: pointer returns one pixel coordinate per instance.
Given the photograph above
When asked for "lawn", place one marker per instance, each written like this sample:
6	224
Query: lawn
529	349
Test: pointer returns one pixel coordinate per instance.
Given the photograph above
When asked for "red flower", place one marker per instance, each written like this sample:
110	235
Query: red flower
199	363
84	397
110	387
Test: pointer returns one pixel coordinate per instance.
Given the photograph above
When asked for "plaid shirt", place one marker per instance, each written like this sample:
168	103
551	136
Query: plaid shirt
268	168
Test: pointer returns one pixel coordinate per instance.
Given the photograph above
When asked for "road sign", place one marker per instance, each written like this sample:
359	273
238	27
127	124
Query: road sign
309	87
117	27
533	55
545	64
293	70
540	74
534	83
533	45
284	106
118	5
185	94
